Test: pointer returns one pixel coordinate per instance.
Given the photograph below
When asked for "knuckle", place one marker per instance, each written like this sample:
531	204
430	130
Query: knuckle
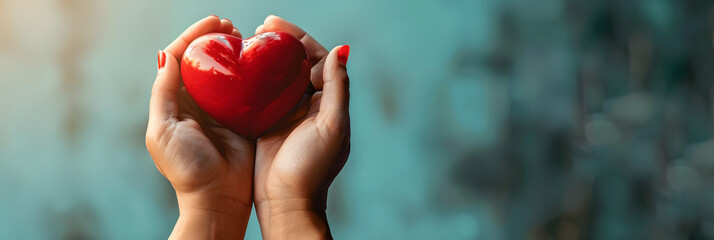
338	125
153	136
155	91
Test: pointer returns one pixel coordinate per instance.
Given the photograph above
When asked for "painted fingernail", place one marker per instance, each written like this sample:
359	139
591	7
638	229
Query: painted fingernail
161	61
228	20
343	53
214	16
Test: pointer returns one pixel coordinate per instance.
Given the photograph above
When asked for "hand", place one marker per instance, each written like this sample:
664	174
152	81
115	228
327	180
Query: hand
210	167
297	161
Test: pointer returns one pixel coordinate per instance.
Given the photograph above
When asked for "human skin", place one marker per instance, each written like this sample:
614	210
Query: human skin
298	160
217	174
210	167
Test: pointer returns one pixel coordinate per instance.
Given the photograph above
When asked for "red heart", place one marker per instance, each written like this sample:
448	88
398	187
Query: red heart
246	85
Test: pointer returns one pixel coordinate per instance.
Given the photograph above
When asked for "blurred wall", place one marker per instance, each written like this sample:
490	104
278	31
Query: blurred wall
472	119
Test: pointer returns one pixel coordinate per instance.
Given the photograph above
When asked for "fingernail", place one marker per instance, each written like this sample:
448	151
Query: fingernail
228	20
343	53
161	61
214	16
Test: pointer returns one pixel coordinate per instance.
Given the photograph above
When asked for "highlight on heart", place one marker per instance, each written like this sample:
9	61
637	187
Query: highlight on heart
246	85
357	119
234	127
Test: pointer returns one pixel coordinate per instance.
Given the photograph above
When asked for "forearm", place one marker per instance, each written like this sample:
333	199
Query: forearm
293	219
210	218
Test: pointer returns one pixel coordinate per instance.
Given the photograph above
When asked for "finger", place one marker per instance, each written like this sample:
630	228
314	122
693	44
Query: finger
315	104
236	33
226	26
334	105
206	25
163	105
316	74
314	49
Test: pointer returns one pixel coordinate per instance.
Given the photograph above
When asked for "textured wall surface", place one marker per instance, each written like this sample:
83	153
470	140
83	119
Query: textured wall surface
472	119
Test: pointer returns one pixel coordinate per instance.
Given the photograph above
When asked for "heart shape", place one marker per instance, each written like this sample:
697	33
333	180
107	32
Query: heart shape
246	85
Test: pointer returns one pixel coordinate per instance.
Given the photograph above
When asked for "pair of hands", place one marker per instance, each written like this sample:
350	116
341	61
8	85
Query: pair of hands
218	174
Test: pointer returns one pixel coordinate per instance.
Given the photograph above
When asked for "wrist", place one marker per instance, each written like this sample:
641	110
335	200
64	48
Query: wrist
201	224
216	203
293	218
299	224
280	206
210	217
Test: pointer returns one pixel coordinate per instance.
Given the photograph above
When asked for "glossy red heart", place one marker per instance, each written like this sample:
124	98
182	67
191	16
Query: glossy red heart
246	85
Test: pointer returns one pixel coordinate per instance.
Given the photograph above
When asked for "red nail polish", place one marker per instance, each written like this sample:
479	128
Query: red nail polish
161	60
343	53
214	16
228	20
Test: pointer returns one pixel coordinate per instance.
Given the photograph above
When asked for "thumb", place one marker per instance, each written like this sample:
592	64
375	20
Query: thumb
163	105
334	105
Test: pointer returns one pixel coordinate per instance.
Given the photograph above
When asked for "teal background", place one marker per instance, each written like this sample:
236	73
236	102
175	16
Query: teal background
472	119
